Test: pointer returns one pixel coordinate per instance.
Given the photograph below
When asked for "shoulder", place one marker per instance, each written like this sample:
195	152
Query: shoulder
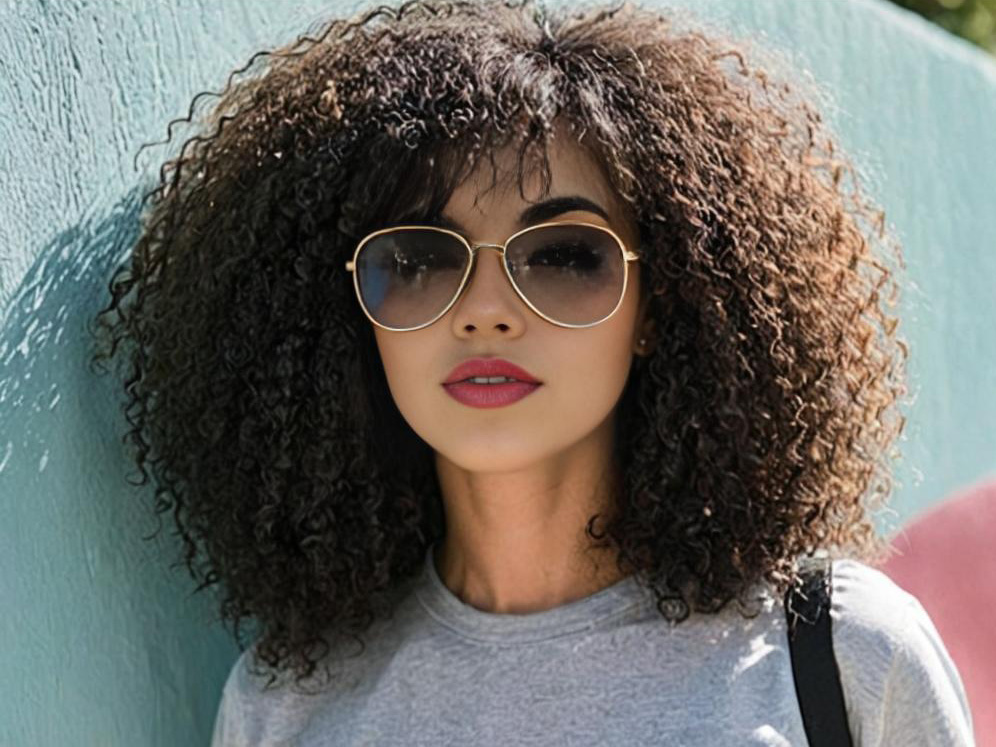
870	609
232	723
253	711
900	684
879	624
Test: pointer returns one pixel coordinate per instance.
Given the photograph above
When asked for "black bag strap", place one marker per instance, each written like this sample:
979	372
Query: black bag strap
817	678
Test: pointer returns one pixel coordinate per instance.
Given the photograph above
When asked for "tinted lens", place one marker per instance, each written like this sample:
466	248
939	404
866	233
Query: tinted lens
572	274
407	276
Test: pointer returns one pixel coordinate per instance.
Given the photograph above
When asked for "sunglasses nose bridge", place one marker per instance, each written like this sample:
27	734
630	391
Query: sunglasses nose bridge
499	247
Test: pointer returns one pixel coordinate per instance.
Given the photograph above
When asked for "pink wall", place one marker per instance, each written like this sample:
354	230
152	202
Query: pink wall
948	562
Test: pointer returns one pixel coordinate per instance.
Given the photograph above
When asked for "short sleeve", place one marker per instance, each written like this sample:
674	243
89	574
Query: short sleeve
900	684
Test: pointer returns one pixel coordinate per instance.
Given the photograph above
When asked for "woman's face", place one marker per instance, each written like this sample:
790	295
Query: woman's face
583	371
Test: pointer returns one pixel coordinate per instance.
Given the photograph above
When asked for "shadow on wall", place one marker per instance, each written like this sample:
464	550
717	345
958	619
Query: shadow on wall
947	561
97	627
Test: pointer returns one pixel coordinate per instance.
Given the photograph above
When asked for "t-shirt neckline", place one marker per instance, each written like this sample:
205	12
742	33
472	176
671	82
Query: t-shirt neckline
576	616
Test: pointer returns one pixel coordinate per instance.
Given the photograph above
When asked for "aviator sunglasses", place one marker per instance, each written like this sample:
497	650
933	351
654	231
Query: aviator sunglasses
572	274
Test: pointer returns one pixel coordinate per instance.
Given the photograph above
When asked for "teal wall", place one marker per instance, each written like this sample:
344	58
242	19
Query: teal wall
103	642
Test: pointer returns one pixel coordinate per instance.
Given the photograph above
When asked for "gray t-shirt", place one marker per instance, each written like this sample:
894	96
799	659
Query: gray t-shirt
609	670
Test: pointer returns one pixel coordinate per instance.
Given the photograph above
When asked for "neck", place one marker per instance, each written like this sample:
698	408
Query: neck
516	542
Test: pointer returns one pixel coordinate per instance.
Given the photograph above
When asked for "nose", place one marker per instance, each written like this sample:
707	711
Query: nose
488	301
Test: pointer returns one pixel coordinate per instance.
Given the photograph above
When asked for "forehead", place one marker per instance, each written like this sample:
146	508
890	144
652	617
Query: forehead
500	183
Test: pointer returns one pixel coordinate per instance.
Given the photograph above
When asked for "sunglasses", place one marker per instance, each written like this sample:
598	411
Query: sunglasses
571	274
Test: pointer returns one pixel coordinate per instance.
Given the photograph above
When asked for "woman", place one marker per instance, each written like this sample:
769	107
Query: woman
485	355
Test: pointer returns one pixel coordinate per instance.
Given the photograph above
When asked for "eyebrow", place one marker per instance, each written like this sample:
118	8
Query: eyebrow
541	211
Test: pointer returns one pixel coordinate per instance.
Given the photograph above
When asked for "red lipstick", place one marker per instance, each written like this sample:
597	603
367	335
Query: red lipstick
461	386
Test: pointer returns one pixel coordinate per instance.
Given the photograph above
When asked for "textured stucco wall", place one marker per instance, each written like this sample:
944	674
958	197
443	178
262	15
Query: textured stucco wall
103	643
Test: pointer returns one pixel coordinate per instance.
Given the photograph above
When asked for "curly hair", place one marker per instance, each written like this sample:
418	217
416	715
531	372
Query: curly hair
757	430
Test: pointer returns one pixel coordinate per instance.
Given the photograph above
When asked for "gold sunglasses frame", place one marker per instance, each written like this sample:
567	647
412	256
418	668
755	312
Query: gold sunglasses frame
628	256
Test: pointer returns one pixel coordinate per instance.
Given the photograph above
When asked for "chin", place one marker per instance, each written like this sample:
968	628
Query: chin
490	456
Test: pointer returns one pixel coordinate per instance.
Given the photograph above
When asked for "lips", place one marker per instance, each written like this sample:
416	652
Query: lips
490	395
489	367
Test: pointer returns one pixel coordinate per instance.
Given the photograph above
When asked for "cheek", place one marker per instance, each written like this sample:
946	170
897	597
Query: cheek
606	353
600	365
411	366
405	363
588	371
